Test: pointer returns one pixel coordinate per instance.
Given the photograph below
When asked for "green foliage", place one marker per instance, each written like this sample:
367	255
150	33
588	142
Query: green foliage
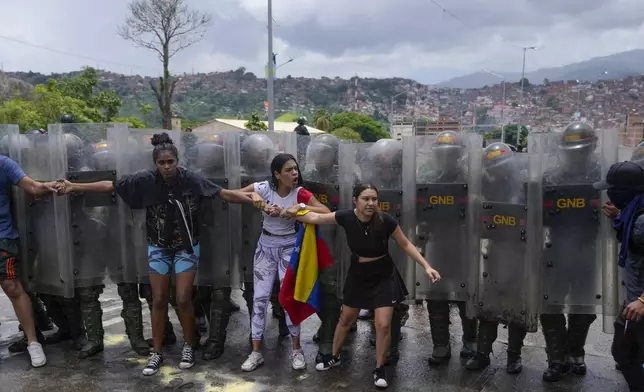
44	106
322	120
288	117
76	95
84	87
368	129
254	123
347	134
552	102
132	121
511	135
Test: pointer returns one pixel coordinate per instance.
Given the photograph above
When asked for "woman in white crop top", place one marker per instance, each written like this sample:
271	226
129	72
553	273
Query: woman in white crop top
275	247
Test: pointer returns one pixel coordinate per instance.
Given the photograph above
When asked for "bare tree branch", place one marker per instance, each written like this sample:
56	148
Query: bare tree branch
166	27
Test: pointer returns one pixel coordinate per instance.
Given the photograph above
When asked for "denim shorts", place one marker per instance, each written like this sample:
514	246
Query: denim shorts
163	261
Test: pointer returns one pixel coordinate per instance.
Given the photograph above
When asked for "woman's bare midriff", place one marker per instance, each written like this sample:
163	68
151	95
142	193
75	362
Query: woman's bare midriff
369	259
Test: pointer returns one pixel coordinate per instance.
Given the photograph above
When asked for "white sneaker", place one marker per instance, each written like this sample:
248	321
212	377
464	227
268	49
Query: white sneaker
37	355
253	361
297	360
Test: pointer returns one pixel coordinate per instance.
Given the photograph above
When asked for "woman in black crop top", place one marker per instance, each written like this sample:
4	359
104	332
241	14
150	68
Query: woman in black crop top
373	282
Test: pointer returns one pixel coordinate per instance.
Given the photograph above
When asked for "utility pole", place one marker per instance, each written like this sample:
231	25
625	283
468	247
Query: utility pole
525	49
271	71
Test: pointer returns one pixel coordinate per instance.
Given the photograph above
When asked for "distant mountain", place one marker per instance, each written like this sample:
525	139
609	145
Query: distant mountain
616	66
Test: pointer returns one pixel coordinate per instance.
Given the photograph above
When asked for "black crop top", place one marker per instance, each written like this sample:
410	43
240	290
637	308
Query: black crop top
367	239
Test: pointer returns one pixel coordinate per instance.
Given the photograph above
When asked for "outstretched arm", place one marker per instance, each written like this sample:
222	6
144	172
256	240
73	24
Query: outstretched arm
314	218
98	187
239	197
411	251
36	188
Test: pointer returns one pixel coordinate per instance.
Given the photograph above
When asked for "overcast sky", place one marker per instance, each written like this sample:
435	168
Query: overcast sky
370	38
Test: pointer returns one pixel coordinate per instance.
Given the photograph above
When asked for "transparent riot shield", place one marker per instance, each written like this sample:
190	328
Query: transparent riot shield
210	154
442	182
133	153
511	238
381	165
320	173
257	150
45	230
574	258
93	218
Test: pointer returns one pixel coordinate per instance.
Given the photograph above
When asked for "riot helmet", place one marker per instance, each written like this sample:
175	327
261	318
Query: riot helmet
638	154
209	154
102	158
448	148
385	161
323	151
257	151
67	119
499	161
577	144
75	151
301	120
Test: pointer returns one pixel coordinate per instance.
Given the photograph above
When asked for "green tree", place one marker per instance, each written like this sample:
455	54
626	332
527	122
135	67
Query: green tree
511	135
254	123
84	86
368	129
552	102
165	27
321	113
132	121
347	134
145	110
44	106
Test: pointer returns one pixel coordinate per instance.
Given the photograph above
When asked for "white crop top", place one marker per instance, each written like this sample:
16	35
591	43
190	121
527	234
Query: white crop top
278	225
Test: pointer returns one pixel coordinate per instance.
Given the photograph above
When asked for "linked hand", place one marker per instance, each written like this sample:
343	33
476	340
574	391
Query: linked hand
433	275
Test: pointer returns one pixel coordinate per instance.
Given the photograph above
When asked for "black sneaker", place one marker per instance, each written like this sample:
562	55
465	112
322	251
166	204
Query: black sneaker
380	378
154	364
187	357
328	361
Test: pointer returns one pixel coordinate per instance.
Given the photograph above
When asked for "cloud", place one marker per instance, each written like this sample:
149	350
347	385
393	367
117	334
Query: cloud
379	38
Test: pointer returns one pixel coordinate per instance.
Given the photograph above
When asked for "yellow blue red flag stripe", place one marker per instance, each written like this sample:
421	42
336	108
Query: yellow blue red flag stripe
300	291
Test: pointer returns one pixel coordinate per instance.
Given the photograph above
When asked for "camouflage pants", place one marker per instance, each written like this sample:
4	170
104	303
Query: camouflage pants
329	309
214	304
132	312
439	325
562	342
91	312
66	314
488	332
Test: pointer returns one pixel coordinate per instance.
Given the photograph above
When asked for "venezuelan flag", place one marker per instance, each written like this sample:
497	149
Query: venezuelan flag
300	291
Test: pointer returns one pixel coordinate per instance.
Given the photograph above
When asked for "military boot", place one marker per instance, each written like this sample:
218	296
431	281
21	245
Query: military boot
219	317
578	327
133	318
92	314
396	334
555	335
488	331
470	327
516	334
42	319
439	325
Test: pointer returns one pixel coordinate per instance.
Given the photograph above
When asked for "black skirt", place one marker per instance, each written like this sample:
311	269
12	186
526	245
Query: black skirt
373	284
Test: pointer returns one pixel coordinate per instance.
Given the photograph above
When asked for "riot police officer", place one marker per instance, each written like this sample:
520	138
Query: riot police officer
102	159
301	127
576	170
257	151
213	279
445	172
382	168
501	183
322	180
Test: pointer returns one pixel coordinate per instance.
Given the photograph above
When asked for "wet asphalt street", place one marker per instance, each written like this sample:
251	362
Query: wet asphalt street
118	368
